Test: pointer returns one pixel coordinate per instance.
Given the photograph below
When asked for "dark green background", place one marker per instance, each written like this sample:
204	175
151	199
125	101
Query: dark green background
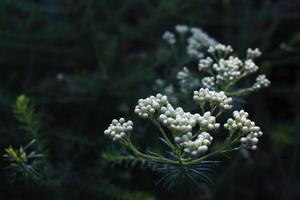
109	53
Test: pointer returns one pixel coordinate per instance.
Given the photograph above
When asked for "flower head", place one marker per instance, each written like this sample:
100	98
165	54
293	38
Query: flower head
147	107
181	29
249	131
228	69
119	129
253	53
169	37
209	82
261	81
196	147
220	49
177	119
197	41
219	98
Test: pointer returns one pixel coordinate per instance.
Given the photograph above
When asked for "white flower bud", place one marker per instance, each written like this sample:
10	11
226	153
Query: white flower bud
169	37
118	129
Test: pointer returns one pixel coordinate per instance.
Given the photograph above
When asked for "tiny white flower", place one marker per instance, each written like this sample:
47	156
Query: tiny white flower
118	129
248	129
169	37
196	147
205	95
253	53
261	81
150	105
181	29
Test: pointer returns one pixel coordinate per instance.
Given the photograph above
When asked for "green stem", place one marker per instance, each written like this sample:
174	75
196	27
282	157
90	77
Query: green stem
129	145
203	157
240	92
202	107
234	81
226	148
219	113
157	124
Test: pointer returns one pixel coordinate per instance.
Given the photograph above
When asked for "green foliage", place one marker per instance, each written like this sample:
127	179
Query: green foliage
106	51
22	163
117	193
123	158
25	114
195	179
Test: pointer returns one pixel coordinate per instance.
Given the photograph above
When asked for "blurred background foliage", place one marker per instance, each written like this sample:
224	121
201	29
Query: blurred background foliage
84	62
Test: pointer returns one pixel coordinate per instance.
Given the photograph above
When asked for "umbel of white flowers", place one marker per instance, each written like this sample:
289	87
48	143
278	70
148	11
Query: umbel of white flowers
197	40
225	70
118	129
169	37
214	98
148	106
196	147
182	124
250	132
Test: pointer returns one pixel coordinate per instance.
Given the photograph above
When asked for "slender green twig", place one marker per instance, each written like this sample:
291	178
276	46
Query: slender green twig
234	81
157	124
240	92
129	145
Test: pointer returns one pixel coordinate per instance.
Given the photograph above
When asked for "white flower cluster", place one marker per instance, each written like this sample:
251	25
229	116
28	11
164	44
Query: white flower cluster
208	82
177	119
169	37
186	80
251	140
118	129
207	121
261	81
183	75
183	122
228	70
165	88
205	64
148	106
246	126
220	49
205	95
250	66
253	53
197	147
197	41
181	29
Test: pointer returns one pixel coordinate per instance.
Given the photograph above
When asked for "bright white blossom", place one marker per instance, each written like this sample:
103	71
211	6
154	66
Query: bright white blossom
169	37
205	95
207	121
196	147
147	107
261	81
182	122
118	129
205	64
209	82
250	66
228	70
250	132
225	71
177	119
253	53
220	49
